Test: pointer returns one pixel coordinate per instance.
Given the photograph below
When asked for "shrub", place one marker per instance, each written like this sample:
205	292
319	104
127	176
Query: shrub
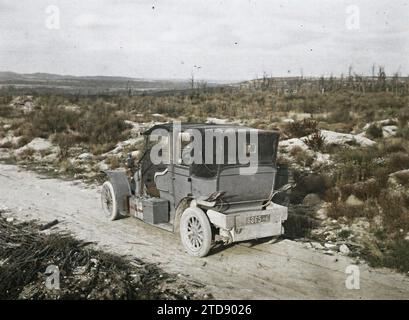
398	161
52	119
69	167
299	223
27	154
390	254
340	115
298	129
65	141
295	151
304	158
395	212
344	233
393	146
98	149
6	111
403	117
397	256
363	190
402	177
315	141
101	126
374	131
339	209
7	144
113	162
332	195
357	165
403	132
23	141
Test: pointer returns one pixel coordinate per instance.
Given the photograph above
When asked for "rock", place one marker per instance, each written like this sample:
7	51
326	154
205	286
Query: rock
298	116
136	154
103	166
120	146
52	157
72	107
85	156
308	245
37	144
136	128
322	158
317	245
381	123
94	261
389	131
217	120
330	245
343	248
290	144
336	138
10	220
310	183
360	227
7	127
288	120
353	201
10	139
24	102
4	154
311	199
407	237
378	220
321	214
394	181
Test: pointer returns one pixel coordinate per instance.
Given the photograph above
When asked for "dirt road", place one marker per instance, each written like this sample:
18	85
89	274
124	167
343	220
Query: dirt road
283	270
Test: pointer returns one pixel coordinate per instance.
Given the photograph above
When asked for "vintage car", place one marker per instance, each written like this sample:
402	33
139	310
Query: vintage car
204	202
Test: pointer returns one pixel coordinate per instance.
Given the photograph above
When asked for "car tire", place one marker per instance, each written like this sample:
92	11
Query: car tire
195	232
108	201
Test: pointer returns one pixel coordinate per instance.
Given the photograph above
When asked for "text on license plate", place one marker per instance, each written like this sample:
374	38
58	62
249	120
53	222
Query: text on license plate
258	219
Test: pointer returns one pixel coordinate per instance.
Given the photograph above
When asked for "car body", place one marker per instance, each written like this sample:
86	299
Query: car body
203	202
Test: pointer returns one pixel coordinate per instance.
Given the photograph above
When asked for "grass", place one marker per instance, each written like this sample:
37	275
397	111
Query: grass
392	254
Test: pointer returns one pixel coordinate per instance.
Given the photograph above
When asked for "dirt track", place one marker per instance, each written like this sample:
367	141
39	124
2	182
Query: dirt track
283	270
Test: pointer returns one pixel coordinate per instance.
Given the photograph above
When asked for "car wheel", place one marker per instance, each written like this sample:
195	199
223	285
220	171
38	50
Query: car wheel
108	200
195	232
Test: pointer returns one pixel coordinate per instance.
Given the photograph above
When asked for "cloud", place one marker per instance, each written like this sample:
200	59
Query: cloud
90	20
234	39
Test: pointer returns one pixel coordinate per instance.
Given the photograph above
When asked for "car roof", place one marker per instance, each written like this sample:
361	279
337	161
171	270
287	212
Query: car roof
200	126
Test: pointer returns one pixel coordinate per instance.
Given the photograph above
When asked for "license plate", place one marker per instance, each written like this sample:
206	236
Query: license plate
258	219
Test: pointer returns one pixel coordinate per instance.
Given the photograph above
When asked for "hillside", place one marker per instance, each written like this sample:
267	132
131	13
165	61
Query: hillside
52	83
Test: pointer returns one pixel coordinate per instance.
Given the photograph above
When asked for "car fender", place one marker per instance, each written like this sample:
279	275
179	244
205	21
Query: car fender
122	189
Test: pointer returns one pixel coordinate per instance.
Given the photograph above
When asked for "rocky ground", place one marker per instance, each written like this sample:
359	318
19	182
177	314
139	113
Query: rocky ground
42	155
268	269
312	156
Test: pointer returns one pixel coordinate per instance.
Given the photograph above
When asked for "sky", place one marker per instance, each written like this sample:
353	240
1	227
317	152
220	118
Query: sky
211	39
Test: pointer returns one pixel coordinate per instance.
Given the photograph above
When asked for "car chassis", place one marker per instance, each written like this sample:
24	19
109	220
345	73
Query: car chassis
203	203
